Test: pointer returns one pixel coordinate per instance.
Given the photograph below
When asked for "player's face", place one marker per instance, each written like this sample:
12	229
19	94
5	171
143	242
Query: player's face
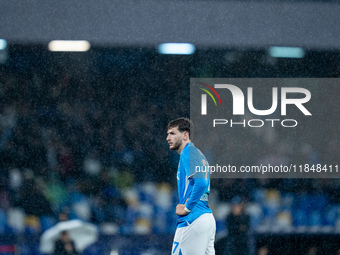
174	138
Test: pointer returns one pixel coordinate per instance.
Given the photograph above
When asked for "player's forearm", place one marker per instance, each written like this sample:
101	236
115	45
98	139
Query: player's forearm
197	192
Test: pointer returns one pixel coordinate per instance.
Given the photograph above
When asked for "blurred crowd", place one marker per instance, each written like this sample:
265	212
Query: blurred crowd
69	139
94	146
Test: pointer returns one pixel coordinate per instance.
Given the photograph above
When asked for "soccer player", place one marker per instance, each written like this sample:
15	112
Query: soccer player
196	226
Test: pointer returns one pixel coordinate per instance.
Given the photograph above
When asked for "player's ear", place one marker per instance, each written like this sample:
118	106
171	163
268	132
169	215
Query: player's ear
186	136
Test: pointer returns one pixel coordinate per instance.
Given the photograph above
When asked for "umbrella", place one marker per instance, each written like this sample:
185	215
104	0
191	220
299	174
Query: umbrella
82	233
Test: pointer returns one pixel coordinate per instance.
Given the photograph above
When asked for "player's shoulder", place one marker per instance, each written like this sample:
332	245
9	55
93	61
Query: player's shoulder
189	148
191	151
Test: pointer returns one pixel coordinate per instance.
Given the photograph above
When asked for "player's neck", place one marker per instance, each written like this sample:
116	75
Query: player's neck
182	146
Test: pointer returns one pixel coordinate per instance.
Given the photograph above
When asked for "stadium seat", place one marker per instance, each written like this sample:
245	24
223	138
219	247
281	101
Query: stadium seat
7	250
254	210
315	219
3	221
331	215
32	225
16	220
299	218
47	222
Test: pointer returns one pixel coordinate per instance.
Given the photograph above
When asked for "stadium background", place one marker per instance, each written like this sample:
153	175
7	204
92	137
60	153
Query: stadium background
85	132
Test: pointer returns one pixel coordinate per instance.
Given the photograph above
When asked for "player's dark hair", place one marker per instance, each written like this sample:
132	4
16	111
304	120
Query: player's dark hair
183	124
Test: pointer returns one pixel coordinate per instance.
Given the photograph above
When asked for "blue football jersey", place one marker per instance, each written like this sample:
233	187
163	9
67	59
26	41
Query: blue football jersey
193	181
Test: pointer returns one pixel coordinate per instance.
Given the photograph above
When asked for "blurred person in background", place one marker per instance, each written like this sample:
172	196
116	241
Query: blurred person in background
33	201
35	205
263	250
238	225
65	245
313	250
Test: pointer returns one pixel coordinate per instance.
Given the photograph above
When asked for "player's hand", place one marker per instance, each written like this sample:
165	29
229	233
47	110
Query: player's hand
180	210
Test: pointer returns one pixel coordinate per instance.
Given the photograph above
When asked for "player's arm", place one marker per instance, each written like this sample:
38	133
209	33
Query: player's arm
200	184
